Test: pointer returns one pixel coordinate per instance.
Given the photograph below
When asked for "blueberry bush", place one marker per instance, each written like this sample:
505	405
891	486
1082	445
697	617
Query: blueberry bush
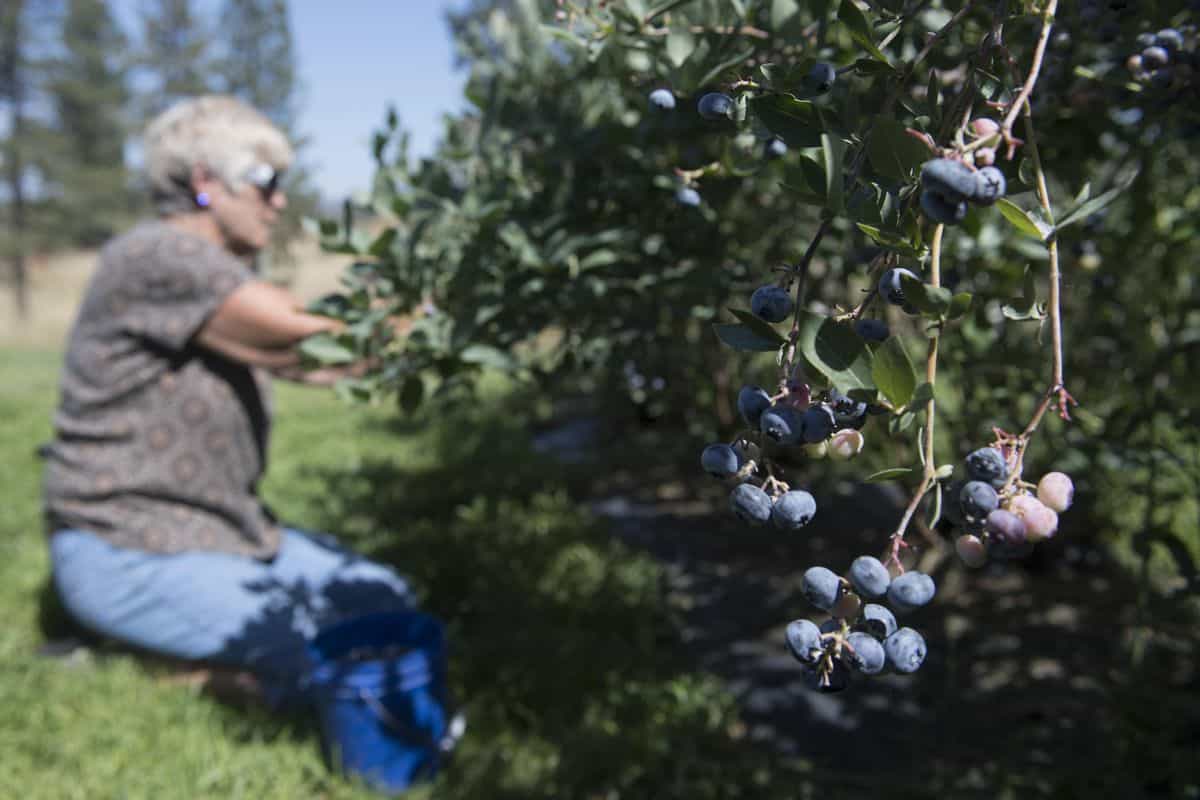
951	241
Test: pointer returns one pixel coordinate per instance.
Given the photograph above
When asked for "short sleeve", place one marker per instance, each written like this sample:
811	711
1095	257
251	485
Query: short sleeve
165	284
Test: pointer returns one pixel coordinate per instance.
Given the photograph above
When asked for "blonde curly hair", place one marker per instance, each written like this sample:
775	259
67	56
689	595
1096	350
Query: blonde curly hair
218	132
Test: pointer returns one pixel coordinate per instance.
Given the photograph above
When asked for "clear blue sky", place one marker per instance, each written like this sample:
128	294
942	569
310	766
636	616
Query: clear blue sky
354	58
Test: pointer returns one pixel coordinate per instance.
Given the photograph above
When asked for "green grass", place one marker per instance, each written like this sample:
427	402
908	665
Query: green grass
565	652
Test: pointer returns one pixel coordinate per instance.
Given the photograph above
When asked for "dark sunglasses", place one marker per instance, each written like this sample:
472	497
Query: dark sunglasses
266	179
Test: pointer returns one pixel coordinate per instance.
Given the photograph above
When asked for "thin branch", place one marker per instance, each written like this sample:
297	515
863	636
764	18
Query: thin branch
1022	97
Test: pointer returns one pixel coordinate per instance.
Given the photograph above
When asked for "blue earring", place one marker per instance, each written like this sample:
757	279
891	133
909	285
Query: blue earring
202	199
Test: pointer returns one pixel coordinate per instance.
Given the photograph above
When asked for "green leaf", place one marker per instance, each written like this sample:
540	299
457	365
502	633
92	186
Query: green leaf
935	513
892	240
411	394
926	298
1028	308
860	29
797	122
960	304
488	356
944	471
920	398
893	372
835	351
1020	219
324	349
739	337
782	11
759	326
891	474
1088	207
893	152
833	149
680	44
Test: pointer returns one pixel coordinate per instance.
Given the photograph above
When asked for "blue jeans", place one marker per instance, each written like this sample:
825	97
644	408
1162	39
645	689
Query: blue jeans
223	608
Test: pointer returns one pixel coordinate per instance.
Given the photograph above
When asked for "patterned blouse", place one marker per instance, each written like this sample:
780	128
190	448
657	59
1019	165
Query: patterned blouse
159	444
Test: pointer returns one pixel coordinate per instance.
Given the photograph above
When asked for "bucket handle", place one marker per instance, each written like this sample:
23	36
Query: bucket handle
454	730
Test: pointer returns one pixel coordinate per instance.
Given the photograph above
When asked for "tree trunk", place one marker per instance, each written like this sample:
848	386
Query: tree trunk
10	62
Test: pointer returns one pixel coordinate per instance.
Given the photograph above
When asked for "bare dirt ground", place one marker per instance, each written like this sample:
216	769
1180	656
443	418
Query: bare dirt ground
58	281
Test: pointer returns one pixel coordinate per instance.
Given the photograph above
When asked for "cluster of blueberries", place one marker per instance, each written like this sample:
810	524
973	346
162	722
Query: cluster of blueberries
860	636
1162	62
1001	516
948	185
716	106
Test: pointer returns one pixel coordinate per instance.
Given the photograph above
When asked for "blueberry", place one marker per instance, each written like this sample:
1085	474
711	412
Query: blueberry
663	99
821	77
793	510
750	503
991	186
910	591
847	412
719	460
687	196
782	424
971	550
1005	527
821	586
1056	491
776	148
752	402
869	577
890	286
772	303
715	105
868	656
977	499
1040	521
872	330
1155	57
817	424
941	210
804	640
953	180
905	650
878	620
837	679
987	464
1169	39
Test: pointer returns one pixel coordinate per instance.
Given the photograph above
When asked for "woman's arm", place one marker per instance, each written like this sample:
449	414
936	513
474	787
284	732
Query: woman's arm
261	325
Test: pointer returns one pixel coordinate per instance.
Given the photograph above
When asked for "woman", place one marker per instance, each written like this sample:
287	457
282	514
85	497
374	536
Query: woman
157	535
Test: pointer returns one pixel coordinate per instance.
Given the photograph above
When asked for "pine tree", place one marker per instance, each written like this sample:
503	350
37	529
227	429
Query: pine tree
89	93
174	55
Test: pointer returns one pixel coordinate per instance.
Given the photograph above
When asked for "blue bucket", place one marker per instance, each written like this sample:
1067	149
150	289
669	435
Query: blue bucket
379	685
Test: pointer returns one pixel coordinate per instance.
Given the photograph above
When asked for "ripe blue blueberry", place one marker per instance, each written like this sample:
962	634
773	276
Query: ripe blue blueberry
978	499
752	402
869	577
821	586
821	77
891	288
772	303
910	591
953	180
987	464
1155	57
817	424
804	640
782	424
990	186
715	105
776	148
719	460
941	210
905	650
750	503
868	656
793	510
878	621
847	412
662	98
872	330
687	196
1169	39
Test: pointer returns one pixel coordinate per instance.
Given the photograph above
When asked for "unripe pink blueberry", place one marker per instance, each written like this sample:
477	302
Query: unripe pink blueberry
846	443
984	126
1056	491
848	606
971	550
985	156
1040	522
